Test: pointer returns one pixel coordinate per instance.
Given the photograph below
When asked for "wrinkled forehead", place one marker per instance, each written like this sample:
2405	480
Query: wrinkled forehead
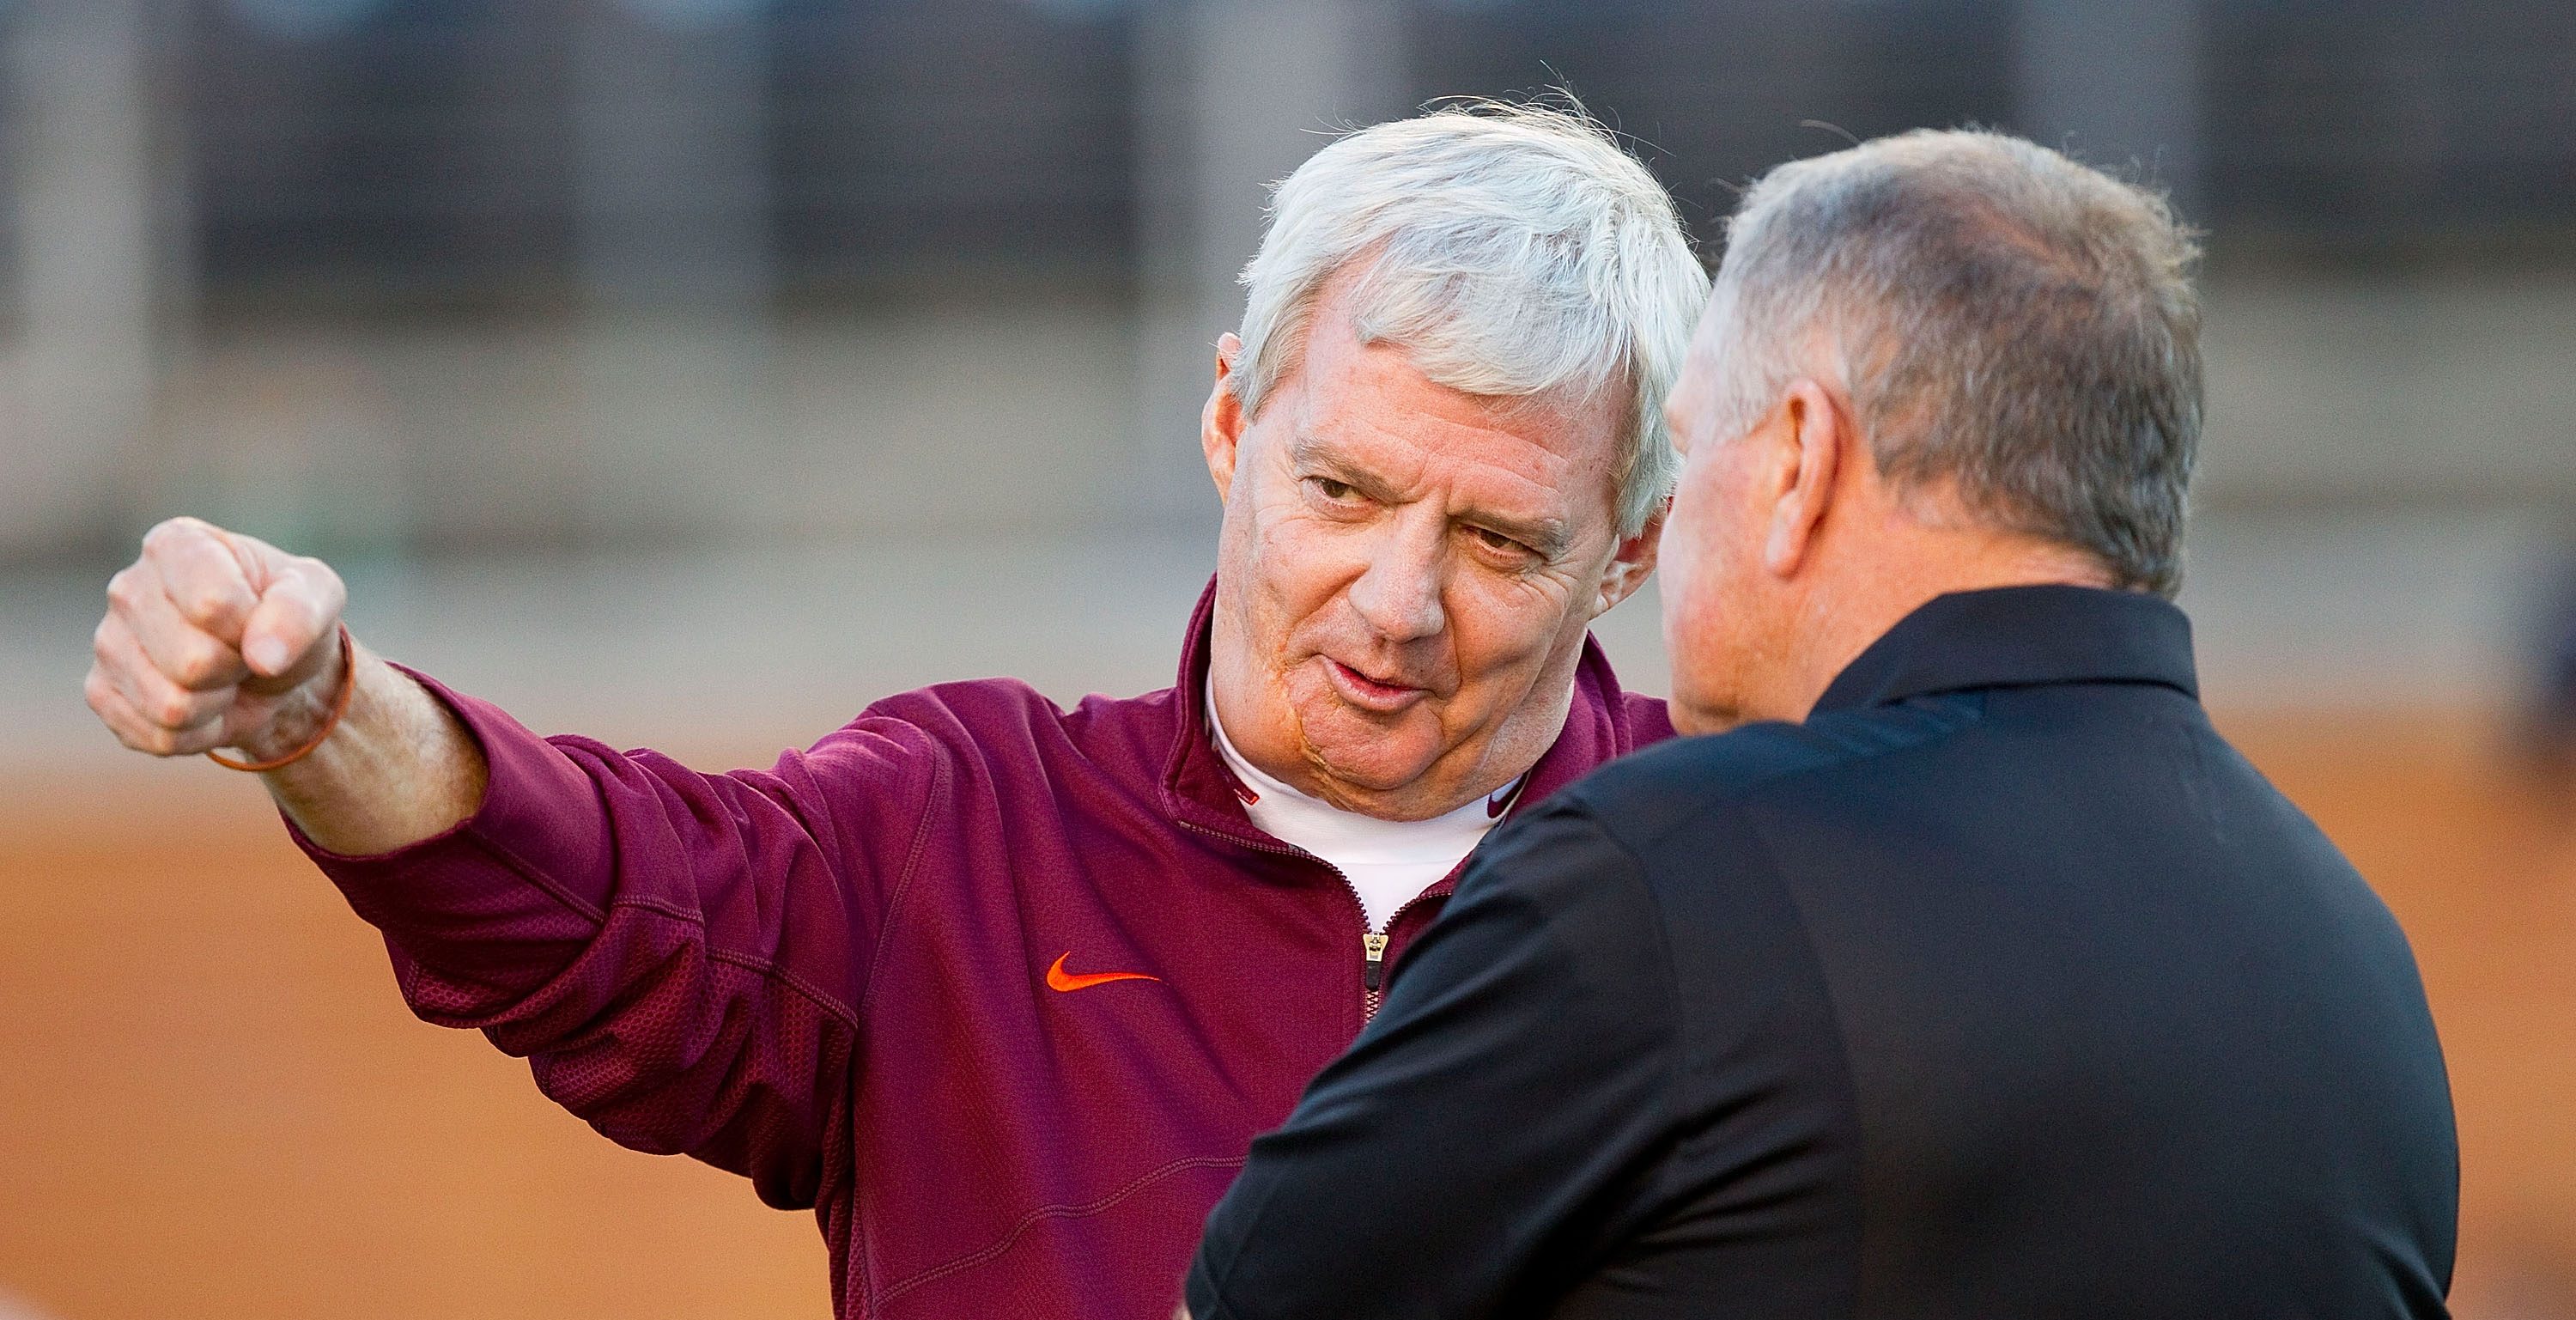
1369	418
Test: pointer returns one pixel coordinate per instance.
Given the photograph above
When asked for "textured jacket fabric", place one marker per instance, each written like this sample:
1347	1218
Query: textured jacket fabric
871	977
2000	987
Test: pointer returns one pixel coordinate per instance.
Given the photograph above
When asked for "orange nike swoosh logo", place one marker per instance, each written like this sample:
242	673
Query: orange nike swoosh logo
1060	979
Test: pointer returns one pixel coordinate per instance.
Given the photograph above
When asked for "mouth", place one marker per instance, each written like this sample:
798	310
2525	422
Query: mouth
1371	694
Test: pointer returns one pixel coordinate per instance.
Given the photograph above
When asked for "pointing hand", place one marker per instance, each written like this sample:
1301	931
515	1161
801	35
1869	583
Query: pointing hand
216	639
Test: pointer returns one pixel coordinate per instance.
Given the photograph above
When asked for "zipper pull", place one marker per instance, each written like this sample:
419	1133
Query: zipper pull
1374	943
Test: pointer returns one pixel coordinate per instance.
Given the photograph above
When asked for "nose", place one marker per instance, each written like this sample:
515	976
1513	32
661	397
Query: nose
1398	594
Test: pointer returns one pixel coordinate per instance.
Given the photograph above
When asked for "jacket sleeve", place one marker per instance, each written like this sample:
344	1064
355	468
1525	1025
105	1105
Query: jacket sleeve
1495	1129
680	956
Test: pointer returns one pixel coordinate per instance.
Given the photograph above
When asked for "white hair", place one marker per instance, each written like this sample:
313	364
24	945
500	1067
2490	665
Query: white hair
1510	250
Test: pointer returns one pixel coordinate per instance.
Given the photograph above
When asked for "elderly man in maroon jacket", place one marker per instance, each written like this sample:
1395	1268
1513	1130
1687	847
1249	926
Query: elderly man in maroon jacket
1001	990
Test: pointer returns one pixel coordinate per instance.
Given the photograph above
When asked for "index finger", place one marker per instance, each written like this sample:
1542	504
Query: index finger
188	654
205	580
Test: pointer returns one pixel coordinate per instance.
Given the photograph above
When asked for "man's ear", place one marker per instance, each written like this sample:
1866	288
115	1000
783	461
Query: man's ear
1810	439
1634	561
1221	421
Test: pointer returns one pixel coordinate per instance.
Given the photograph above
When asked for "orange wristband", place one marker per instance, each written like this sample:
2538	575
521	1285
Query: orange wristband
339	707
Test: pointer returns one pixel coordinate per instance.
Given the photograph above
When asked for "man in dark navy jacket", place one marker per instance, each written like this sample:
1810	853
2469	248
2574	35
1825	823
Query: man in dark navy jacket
1999	985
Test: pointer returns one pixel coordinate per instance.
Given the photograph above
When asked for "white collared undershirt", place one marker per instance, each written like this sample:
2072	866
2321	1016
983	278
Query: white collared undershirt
1388	862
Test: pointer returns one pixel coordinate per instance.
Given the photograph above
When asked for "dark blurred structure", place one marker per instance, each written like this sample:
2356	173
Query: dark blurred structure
399	152
429	153
623	185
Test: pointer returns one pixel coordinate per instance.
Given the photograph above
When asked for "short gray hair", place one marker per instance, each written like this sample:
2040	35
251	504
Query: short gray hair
1510	250
2005	320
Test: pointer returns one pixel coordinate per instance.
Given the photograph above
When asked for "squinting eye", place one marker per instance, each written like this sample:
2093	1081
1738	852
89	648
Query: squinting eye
1496	541
1336	491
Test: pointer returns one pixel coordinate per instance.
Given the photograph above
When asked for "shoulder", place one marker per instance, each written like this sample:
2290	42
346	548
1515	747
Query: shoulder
1003	723
1554	905
986	710
1684	781
968	704
1644	720
1648	891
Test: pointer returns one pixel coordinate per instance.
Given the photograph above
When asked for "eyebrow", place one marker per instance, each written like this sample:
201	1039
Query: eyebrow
1309	451
1547	536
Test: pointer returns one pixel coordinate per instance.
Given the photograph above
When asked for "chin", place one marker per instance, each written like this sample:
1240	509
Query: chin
1359	753
1369	771
1691	719
1704	702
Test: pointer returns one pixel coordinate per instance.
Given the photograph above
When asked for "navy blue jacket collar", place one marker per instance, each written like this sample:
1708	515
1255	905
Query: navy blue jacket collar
2019	636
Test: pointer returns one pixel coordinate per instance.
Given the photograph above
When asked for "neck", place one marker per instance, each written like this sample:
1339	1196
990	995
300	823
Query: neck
1852	605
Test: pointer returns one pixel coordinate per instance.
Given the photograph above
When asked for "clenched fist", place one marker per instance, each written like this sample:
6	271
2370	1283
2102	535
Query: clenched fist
215	639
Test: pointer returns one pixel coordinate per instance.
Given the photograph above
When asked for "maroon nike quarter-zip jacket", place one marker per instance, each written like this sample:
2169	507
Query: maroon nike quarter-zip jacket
872	978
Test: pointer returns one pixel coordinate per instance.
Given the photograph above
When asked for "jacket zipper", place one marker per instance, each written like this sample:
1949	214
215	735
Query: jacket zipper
1373	947
1373	971
1372	942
